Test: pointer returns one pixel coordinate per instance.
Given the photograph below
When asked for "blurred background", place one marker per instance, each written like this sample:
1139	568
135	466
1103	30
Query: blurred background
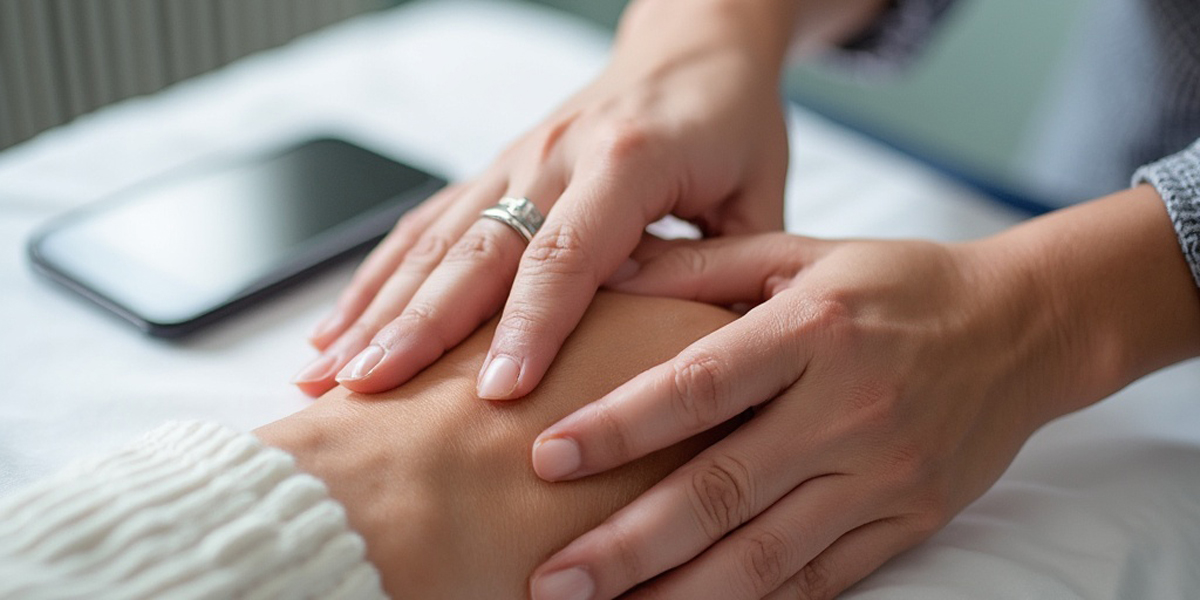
968	105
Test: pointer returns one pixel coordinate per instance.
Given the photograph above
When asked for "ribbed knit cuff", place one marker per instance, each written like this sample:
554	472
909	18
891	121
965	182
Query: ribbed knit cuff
1177	179
192	510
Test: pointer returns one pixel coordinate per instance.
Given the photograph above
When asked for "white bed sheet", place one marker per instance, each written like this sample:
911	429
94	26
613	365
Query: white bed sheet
1105	504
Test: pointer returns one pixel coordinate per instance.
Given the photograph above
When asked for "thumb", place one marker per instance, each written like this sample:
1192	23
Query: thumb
724	270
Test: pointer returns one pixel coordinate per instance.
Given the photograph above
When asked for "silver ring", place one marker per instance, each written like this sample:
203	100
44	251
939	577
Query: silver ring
518	213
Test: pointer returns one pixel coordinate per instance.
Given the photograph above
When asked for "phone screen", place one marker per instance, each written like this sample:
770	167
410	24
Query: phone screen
173	250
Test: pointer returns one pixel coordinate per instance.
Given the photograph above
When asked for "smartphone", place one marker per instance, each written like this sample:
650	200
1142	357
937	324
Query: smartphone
181	251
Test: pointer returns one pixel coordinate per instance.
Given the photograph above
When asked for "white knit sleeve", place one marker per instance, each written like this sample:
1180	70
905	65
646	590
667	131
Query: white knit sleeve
192	510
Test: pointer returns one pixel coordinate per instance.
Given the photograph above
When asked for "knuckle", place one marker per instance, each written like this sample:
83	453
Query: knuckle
426	253
876	406
814	582
827	316
933	511
833	312
520	321
550	136
698	391
559	251
721	495
614	435
691	260
827	313
408	226
420	321
478	245
766	561
905	460
626	140
925	525
417	316
622	545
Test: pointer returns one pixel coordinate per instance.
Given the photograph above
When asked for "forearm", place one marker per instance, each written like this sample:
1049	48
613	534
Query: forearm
762	30
1112	290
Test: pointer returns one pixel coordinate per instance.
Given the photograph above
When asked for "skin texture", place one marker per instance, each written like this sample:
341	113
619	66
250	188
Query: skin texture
686	120
439	482
895	383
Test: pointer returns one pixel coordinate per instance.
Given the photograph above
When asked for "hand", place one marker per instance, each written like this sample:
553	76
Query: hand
689	125
891	384
438	483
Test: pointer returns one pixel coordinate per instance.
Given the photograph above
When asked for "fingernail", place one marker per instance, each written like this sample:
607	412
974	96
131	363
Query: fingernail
499	379
568	584
316	370
362	364
325	325
625	272
556	458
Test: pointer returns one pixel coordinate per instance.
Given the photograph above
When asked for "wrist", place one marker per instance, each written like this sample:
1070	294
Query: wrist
388	505
1104	291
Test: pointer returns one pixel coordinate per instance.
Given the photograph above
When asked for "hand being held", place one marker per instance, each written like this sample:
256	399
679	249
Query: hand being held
891	384
699	135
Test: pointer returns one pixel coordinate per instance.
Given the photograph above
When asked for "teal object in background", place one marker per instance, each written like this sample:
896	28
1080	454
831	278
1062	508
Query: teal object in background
604	12
970	99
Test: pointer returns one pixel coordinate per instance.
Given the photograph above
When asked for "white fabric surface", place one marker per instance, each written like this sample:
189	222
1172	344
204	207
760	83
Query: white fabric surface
1105	504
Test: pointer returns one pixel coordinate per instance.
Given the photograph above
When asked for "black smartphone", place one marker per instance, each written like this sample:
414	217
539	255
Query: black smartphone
183	250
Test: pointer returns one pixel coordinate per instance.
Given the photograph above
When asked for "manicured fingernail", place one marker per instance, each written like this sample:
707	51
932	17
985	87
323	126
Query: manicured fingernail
326	325
499	379
625	272
318	369
568	584
556	458
362	364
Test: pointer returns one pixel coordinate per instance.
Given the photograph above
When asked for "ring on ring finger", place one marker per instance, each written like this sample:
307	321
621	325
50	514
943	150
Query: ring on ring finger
518	213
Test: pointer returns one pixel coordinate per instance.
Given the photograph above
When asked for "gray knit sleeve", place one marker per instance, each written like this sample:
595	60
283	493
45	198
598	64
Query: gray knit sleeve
895	38
1177	179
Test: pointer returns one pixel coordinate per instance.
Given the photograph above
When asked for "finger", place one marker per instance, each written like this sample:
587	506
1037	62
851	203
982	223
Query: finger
406	277
760	206
591	230
318	376
697	505
370	276
849	560
466	289
742	364
462	292
423	257
718	271
760	210
760	556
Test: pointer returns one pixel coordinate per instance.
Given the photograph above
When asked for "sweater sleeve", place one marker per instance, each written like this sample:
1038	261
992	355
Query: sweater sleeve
895	38
1177	179
191	510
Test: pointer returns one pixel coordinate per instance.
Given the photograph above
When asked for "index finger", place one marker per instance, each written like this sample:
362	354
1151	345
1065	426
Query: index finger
743	364
592	229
